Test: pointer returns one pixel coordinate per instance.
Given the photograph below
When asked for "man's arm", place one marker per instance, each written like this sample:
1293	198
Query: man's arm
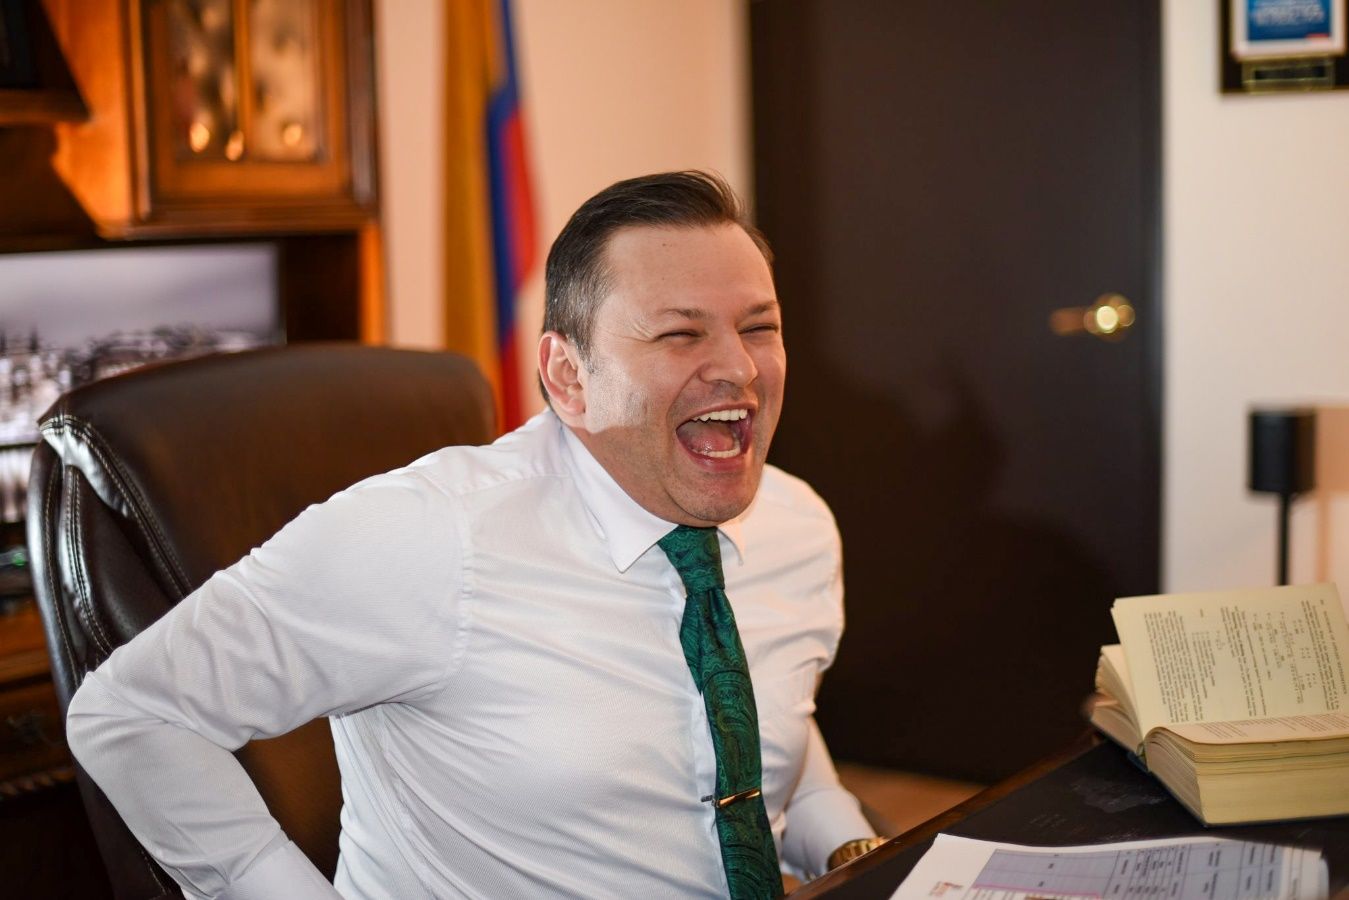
821	814
344	608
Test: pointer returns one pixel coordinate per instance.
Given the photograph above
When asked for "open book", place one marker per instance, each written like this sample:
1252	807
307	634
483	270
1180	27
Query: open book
1238	701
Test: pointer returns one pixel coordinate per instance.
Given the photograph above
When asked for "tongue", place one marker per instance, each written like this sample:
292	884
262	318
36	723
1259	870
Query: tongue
706	437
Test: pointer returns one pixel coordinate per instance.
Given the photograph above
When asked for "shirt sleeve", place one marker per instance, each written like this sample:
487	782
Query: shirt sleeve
821	814
351	604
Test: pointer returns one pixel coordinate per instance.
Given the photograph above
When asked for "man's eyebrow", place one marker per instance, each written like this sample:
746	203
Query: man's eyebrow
766	306
682	312
687	312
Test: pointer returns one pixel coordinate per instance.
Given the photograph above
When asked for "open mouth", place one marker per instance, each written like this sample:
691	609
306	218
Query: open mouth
721	434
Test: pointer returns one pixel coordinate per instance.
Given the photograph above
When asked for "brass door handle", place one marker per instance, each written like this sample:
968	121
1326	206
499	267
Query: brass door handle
1109	318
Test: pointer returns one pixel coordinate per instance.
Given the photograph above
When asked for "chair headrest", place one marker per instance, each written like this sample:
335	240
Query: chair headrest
219	452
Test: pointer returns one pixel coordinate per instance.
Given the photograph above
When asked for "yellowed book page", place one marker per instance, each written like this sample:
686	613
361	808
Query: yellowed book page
1113	654
1235	655
1266	731
1112	677
1107	715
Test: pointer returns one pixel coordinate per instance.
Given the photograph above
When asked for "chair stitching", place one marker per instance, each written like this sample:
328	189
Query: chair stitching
159	545
149	528
115	469
83	602
58	608
154	872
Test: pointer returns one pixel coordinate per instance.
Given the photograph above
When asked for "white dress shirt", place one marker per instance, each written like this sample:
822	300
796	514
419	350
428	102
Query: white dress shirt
495	639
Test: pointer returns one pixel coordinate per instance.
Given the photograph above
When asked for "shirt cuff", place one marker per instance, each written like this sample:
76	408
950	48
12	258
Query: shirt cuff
823	822
285	872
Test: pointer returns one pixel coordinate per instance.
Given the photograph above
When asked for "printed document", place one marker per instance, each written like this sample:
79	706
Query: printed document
957	868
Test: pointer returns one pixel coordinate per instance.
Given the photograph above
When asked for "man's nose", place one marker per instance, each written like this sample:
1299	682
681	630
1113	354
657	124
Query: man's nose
729	360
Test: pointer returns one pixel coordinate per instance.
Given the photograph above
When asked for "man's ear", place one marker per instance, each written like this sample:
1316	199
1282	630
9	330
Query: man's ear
560	371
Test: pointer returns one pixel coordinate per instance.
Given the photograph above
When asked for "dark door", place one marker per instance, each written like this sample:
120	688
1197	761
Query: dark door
937	177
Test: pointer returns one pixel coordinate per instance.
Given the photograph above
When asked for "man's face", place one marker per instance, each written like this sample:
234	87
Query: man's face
683	386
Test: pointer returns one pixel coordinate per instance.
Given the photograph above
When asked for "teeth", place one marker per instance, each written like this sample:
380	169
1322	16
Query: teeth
723	415
722	454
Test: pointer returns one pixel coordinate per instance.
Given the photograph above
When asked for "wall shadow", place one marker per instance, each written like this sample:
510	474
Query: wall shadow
959	657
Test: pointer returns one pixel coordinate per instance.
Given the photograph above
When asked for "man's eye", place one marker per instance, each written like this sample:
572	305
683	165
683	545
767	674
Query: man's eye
766	328
677	334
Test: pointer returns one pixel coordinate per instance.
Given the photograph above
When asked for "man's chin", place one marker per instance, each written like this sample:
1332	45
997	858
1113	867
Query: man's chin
712	507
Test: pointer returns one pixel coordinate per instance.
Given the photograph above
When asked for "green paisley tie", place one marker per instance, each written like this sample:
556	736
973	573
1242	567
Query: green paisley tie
717	661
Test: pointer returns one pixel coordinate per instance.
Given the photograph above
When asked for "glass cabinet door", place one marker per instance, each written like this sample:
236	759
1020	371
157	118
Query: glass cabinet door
244	85
283	52
250	99
204	81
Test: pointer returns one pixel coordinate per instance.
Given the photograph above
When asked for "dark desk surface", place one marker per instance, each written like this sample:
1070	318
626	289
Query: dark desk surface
1091	794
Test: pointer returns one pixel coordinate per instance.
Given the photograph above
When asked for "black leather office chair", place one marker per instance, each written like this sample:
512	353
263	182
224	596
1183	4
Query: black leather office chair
149	482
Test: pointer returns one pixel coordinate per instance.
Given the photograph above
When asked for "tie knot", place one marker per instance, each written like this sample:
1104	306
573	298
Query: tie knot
696	556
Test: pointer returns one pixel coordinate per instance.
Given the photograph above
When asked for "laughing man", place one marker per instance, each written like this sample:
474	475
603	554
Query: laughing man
578	662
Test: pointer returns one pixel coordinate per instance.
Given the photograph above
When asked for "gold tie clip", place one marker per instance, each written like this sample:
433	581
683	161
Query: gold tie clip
736	798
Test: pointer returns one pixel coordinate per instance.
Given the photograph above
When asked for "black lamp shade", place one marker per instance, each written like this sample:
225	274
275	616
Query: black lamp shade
1282	450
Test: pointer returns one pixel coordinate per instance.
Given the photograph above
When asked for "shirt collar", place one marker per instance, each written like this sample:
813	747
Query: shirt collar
628	528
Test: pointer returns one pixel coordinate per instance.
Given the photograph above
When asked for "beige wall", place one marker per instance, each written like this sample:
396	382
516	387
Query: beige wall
1256	297
616	88
611	88
408	69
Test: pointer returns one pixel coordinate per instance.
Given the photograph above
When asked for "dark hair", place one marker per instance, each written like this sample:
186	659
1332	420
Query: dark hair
576	276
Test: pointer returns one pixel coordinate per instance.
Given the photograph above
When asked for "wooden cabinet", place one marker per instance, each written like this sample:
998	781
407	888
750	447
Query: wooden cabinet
33	750
150	120
218	117
35	87
46	846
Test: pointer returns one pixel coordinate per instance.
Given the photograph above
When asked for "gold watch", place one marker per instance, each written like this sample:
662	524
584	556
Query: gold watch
853	849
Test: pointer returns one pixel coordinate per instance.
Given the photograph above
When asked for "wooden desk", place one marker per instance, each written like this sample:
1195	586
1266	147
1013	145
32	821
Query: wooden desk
1090	794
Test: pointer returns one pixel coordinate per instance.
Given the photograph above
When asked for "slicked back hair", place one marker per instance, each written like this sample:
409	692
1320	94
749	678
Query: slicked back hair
576	278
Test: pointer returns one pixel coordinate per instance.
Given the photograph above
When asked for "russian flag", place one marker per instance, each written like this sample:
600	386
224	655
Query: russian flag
491	237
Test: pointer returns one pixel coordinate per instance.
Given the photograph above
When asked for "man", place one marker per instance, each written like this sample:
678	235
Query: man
537	656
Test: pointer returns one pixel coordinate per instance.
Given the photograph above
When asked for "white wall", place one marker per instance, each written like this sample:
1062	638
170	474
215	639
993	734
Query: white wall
611	88
1256	297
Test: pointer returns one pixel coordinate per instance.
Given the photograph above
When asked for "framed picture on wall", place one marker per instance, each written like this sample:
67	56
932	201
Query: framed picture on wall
72	317
1286	29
